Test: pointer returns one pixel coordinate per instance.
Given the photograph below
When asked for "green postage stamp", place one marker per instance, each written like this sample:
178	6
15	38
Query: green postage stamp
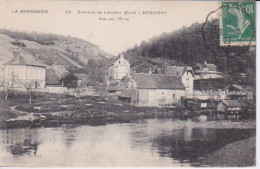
237	23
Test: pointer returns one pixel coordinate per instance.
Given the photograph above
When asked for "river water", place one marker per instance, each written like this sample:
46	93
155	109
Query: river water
143	143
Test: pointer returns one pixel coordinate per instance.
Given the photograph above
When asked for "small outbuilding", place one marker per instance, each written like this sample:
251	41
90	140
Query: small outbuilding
129	96
231	106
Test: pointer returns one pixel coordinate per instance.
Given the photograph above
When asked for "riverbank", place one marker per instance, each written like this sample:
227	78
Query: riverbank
238	154
7	107
52	110
49	110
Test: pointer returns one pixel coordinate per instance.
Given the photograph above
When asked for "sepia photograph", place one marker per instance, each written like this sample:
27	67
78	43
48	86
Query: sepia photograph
127	83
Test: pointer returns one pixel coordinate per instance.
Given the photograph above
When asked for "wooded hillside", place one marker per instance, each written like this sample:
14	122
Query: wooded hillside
191	45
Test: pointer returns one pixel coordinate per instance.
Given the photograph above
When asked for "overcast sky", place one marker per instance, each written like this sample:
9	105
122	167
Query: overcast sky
112	36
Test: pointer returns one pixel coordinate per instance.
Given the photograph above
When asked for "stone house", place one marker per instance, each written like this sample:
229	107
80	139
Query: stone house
153	90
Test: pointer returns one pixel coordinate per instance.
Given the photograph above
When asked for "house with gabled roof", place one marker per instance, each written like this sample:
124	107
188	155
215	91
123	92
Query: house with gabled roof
153	90
24	70
185	73
118	69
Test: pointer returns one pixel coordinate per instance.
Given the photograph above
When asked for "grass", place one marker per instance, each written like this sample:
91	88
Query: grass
22	98
62	108
91	105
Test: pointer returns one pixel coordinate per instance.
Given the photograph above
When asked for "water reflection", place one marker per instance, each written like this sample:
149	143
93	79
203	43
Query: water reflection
156	142
21	141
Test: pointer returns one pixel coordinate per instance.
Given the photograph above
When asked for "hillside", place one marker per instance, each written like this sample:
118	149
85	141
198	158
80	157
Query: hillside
68	51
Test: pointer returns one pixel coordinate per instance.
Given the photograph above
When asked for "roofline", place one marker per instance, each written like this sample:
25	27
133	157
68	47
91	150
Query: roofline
231	106
165	88
25	65
37	66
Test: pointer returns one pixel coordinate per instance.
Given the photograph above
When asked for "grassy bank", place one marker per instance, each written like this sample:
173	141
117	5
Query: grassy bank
59	109
6	111
238	154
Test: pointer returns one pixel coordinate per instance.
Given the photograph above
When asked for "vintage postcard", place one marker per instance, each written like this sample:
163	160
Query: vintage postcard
127	83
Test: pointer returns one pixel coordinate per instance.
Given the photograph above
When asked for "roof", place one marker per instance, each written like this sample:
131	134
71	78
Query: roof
233	103
211	67
25	60
52	78
157	81
60	70
115	60
128	93
117	86
178	70
234	88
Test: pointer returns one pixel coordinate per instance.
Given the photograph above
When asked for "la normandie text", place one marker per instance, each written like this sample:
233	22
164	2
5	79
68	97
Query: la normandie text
30	11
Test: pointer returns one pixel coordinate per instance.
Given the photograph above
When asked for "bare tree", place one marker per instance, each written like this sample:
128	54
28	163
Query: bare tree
29	90
9	85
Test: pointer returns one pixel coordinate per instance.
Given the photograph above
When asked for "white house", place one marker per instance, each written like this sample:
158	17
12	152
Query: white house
119	69
21	71
185	73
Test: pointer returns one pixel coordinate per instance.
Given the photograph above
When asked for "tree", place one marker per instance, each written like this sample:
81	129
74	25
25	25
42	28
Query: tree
29	90
96	71
70	81
9	85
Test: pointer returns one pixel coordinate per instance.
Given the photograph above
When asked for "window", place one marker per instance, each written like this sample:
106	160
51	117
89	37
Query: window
173	96
119	62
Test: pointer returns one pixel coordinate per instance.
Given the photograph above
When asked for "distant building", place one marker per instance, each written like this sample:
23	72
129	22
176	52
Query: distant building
185	73
119	69
24	70
116	87
153	90
230	105
207	71
54	75
213	89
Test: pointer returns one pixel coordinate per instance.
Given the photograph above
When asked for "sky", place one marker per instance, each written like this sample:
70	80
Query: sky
113	36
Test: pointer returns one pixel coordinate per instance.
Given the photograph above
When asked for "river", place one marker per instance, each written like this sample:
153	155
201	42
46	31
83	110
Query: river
142	143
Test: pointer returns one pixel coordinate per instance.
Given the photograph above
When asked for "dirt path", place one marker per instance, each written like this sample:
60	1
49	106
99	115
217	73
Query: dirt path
71	61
